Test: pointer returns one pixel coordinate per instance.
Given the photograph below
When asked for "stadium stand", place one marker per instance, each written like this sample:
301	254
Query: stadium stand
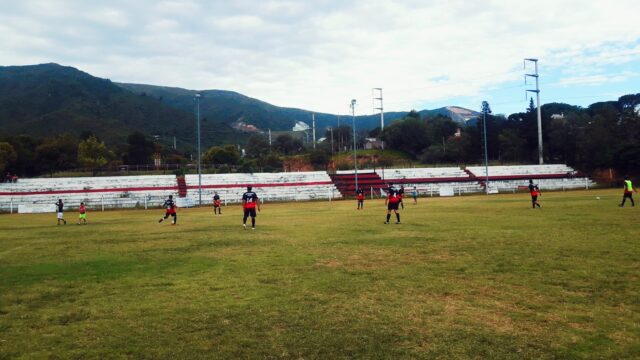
151	190
548	177
95	192
292	186
431	180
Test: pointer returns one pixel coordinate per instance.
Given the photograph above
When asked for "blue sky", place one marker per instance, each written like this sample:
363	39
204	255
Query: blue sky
319	55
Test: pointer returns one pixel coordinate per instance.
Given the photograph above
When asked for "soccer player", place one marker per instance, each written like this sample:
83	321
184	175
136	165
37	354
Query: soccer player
171	206
360	198
401	195
628	191
415	196
60	212
534	190
82	218
392	202
216	204
249	204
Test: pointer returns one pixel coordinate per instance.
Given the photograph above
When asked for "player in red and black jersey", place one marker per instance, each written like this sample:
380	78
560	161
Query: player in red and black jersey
534	190
216	204
170	207
360	198
250	202
401	195
392	201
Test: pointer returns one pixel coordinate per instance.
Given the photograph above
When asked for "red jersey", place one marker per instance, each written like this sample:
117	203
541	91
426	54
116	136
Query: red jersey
82	209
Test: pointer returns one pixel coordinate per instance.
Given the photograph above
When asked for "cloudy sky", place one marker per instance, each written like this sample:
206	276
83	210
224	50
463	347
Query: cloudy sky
318	55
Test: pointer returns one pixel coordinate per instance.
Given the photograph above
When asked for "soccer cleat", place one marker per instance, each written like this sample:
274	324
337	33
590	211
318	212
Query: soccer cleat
253	228
386	222
244	226
398	223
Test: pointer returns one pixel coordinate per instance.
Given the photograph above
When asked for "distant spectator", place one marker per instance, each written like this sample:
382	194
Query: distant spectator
14	179
8	178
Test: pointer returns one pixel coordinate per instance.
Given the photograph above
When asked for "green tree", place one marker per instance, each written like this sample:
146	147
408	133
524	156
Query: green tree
511	145
319	159
341	137
408	135
93	153
7	156
221	155
287	144
57	153
139	149
257	146
531	107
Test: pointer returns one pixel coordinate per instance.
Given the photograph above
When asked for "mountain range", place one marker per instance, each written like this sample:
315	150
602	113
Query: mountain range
48	99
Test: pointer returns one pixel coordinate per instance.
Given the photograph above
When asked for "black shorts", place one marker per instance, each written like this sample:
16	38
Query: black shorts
250	212
627	195
392	206
534	198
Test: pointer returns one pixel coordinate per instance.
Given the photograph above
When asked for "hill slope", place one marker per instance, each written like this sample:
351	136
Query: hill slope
232	108
49	99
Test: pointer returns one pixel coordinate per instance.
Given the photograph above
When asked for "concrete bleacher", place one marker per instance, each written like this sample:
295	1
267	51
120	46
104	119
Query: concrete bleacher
548	177
443	174
95	192
289	186
429	181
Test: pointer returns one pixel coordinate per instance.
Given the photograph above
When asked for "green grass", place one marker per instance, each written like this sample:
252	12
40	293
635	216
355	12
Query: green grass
472	277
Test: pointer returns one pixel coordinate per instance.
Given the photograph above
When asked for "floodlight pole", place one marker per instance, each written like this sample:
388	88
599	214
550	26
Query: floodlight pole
486	156
355	159
537	91
199	152
313	122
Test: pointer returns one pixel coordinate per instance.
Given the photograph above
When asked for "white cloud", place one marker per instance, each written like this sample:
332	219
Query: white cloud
318	55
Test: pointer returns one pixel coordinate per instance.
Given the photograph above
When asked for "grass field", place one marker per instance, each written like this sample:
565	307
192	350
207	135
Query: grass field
472	277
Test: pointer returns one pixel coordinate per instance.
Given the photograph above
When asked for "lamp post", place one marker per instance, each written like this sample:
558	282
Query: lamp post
485	110
353	120
199	151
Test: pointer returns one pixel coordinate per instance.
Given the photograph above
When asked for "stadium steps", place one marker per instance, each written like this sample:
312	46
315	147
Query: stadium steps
346	183
473	176
182	186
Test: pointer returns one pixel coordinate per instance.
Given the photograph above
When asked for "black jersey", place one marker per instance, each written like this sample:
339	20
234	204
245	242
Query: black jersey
216	197
169	204
60	207
249	199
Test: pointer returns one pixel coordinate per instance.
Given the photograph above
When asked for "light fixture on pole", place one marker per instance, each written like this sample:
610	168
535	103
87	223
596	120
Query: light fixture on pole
197	97
537	91
355	159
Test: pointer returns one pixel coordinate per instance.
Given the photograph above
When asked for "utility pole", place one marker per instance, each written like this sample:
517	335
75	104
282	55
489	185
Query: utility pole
378	101
331	131
174	143
313	124
269	137
485	110
537	91
199	152
355	159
